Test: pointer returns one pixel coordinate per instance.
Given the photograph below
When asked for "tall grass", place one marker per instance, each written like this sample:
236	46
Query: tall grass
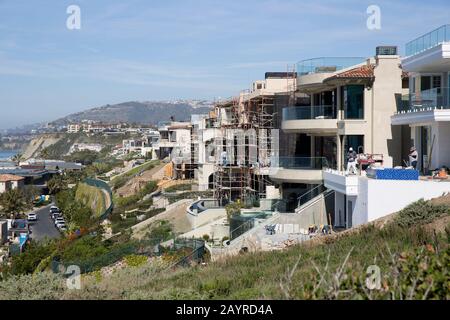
414	263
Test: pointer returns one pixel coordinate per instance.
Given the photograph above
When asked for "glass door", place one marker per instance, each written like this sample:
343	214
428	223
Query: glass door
354	102
425	134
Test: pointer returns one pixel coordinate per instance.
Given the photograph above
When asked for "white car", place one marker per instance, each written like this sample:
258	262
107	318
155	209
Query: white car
32	217
59	221
61	227
53	209
56	215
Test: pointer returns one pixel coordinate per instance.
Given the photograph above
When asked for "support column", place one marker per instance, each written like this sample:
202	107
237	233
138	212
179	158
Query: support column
339	152
338	103
343	151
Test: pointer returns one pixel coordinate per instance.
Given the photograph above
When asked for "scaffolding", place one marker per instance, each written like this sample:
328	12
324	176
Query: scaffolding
243	174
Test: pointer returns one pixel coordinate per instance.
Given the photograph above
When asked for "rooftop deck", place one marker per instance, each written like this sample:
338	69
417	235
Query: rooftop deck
428	40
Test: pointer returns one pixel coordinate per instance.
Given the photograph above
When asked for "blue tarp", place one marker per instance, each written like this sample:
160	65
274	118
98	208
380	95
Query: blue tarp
397	174
23	238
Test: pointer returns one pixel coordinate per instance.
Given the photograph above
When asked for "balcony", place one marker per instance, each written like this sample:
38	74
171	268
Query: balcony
437	98
312	72
340	182
327	64
424	107
428	41
310	119
298	169
430	53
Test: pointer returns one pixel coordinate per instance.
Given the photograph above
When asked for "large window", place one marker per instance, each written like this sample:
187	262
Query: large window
326	147
430	82
353	96
354	141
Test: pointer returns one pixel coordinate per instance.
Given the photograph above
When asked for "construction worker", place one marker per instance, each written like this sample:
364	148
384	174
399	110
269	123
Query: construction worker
224	158
413	157
351	161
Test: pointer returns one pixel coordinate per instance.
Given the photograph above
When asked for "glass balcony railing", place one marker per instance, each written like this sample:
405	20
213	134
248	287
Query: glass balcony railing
437	98
428	40
324	65
309	113
300	163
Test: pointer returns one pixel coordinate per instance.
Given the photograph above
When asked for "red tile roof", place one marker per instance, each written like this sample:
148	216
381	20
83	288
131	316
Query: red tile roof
363	72
10	177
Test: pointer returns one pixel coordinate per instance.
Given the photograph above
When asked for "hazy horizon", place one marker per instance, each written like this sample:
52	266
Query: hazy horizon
191	49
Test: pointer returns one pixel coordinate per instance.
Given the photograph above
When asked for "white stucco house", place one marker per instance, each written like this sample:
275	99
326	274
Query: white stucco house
10	181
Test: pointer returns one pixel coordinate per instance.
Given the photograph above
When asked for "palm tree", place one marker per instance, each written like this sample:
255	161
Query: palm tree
17	158
13	202
56	184
44	154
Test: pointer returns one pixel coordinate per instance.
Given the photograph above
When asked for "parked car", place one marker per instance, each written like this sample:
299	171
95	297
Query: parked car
62	227
32	217
54	210
59	221
56	215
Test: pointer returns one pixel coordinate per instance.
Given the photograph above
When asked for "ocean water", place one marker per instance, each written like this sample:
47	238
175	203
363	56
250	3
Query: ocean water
7	154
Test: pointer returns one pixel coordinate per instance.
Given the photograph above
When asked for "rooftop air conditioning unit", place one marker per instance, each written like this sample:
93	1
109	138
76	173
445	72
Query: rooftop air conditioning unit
387	51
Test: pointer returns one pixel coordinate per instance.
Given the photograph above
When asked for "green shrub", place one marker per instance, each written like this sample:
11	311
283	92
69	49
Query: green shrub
29	260
76	213
160	231
233	209
180	187
421	212
41	286
92	197
135	260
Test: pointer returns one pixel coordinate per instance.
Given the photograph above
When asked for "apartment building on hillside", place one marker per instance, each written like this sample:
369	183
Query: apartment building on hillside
247	138
422	118
426	107
350	104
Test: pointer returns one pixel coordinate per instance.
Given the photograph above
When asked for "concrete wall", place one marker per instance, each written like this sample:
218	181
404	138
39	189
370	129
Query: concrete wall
4	186
216	230
315	213
442	145
206	217
279	84
17	184
360	213
204	172
386	139
379	198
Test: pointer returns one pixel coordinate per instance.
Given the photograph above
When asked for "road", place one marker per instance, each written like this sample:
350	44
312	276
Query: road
44	226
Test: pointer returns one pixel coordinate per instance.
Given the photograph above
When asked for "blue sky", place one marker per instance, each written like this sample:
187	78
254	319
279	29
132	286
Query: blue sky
162	50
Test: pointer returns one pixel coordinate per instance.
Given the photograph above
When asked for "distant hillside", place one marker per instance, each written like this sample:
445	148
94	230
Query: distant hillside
140	112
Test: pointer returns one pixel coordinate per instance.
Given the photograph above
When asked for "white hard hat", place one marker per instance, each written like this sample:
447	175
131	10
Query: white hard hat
351	149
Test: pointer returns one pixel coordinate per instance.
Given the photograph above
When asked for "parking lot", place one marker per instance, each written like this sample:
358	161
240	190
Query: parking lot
44	227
